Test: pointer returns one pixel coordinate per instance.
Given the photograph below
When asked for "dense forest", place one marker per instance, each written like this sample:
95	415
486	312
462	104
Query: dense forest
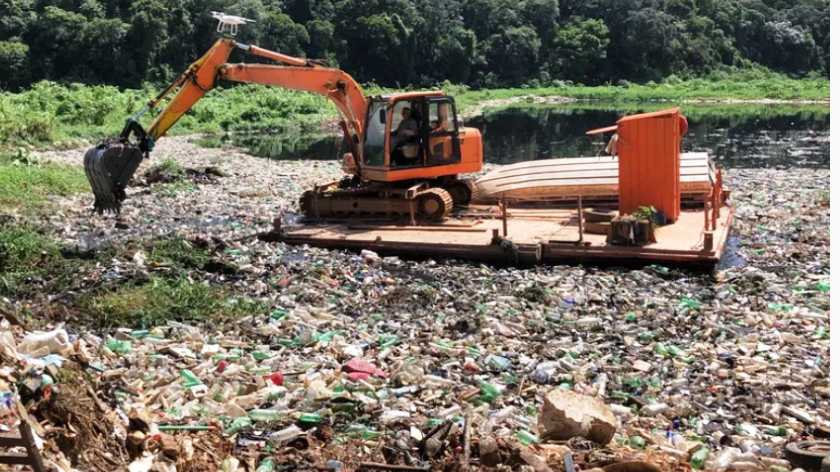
401	43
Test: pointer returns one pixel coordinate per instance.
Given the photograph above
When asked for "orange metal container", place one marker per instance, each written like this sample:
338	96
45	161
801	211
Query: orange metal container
649	162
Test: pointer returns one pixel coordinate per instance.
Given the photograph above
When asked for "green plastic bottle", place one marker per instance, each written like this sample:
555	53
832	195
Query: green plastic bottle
527	437
675	351
780	431
311	418
489	391
698	459
267	465
638	442
119	347
190	380
659	348
238	425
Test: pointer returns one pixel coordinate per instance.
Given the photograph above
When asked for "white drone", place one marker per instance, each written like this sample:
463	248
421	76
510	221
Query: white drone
232	20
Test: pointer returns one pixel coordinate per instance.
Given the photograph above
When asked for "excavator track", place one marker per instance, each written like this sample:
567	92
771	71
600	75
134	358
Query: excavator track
462	191
430	204
435	203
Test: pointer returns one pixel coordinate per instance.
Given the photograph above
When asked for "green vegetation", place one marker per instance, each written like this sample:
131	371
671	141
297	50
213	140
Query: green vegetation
22	248
52	114
160	300
739	86
25	182
734	113
420	43
33	263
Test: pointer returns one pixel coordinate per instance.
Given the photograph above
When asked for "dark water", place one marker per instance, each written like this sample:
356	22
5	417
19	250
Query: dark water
737	136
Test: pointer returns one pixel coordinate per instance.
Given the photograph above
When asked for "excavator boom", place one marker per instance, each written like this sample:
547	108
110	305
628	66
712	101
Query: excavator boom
109	166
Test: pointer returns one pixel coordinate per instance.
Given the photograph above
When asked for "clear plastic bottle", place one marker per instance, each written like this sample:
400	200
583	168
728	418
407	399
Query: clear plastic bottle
266	415
279	438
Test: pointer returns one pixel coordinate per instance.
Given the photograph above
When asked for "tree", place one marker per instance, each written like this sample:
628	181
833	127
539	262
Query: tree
580	51
14	61
281	34
15	16
646	45
514	55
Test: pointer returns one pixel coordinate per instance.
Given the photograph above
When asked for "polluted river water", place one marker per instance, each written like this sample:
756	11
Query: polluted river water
427	364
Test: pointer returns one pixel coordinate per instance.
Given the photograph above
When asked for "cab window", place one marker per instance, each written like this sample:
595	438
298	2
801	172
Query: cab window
440	117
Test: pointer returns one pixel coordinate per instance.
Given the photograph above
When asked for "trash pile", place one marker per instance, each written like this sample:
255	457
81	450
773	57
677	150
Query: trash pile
366	362
575	361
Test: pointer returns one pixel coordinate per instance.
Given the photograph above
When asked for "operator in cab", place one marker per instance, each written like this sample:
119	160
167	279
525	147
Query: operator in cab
407	128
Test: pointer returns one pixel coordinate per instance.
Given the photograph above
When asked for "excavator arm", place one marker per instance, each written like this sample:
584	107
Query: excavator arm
110	166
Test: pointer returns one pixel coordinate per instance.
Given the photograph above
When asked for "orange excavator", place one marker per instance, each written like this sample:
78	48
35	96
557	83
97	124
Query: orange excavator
406	150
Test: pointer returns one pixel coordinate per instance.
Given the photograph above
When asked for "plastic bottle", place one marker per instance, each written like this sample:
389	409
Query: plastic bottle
698	459
266	415
56	341
497	362
311	418
489	391
190	379
675	351
545	371
526	437
238	425
284	435
267	465
453	410
638	442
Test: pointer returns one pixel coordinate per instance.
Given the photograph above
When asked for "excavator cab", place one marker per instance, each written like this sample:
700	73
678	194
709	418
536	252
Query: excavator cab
415	136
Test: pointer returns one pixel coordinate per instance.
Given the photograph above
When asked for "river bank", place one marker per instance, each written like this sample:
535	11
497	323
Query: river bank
55	116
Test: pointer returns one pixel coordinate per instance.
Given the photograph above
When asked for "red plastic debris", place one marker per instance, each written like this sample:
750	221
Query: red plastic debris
360	365
276	377
354	376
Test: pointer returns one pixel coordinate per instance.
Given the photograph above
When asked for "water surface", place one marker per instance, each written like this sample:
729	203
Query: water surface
743	135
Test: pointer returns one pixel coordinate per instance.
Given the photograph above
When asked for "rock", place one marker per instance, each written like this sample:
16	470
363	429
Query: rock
566	414
642	365
170	447
489	452
632	466
530	458
214	170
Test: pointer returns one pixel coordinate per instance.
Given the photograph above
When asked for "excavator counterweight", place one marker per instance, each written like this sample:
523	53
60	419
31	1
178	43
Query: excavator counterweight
407	167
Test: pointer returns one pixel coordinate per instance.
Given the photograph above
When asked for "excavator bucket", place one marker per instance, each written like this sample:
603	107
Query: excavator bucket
109	167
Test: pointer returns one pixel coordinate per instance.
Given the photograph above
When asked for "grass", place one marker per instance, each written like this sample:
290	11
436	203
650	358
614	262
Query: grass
770	87
33	264
25	182
160	300
23	248
733	113
56	115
